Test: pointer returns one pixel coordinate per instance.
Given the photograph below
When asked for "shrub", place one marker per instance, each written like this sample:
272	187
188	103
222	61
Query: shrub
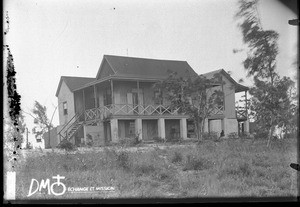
177	157
233	135
144	169
197	163
210	136
246	135
66	145
130	141
123	160
235	168
89	140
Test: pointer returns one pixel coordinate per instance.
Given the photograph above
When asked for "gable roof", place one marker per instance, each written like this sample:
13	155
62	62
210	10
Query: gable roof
73	82
144	67
238	87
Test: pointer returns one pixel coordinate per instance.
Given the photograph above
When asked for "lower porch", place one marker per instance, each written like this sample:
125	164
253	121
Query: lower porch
152	129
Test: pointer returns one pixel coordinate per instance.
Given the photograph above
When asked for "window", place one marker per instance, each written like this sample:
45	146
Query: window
157	97
65	108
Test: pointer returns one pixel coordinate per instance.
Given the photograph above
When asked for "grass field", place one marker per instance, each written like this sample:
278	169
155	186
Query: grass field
229	168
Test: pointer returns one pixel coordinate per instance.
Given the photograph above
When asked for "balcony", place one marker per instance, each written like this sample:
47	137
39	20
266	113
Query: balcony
128	109
103	112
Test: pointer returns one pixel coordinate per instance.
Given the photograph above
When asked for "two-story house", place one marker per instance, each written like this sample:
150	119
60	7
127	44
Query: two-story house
122	102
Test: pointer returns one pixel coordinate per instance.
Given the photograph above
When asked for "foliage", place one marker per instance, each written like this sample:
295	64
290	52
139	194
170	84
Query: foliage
130	141
89	141
196	96
211	136
232	168
41	121
197	163
177	157
66	145
233	135
272	102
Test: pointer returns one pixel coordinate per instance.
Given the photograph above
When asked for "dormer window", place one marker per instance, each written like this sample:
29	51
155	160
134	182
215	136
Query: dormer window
65	108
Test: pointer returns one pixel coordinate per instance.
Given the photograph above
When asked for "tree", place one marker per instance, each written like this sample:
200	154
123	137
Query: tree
43	124
270	101
196	96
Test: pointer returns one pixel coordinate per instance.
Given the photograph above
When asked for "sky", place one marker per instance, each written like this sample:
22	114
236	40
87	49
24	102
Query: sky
54	38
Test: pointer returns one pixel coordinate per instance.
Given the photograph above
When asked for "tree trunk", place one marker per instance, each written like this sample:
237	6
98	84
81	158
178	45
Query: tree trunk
49	137
270	131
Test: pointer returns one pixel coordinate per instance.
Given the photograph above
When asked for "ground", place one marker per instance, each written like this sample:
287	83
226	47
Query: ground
227	168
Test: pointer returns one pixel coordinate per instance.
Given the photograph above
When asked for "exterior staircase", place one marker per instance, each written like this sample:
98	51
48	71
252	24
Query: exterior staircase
74	124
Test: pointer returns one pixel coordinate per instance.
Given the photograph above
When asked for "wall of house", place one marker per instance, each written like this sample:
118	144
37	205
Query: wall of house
215	126
150	129
89	98
96	133
231	126
121	89
126	128
54	139
229	93
172	128
146	96
65	95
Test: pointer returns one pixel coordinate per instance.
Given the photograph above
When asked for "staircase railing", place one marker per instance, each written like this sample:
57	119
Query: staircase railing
63	133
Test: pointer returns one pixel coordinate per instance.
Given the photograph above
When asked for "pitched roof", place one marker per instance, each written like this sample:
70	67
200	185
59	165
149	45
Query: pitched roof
73	82
144	67
238	87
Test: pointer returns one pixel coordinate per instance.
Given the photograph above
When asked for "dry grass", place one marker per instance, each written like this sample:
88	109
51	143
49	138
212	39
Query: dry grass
230	168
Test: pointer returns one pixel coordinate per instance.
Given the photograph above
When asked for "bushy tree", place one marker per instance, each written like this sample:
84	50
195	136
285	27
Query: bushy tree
270	100
41	121
195	96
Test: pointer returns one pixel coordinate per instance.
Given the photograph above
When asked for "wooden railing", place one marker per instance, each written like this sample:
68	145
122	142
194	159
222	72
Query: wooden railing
241	114
218	110
129	109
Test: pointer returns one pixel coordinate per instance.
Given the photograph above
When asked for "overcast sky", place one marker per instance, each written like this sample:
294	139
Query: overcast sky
53	38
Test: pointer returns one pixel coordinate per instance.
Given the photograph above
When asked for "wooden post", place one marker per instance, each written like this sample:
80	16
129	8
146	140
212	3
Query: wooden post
223	93
95	96
138	95
83	104
112	91
246	105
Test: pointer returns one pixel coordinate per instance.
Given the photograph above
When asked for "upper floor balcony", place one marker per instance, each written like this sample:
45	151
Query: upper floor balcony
103	112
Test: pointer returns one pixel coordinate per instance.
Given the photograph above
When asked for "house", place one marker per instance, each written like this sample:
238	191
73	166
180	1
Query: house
121	103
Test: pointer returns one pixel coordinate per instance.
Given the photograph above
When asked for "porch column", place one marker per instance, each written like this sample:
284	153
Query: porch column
139	128
183	128
95	96
246	105
206	125
112	92
83	96
83	105
161	128
114	130
246	126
